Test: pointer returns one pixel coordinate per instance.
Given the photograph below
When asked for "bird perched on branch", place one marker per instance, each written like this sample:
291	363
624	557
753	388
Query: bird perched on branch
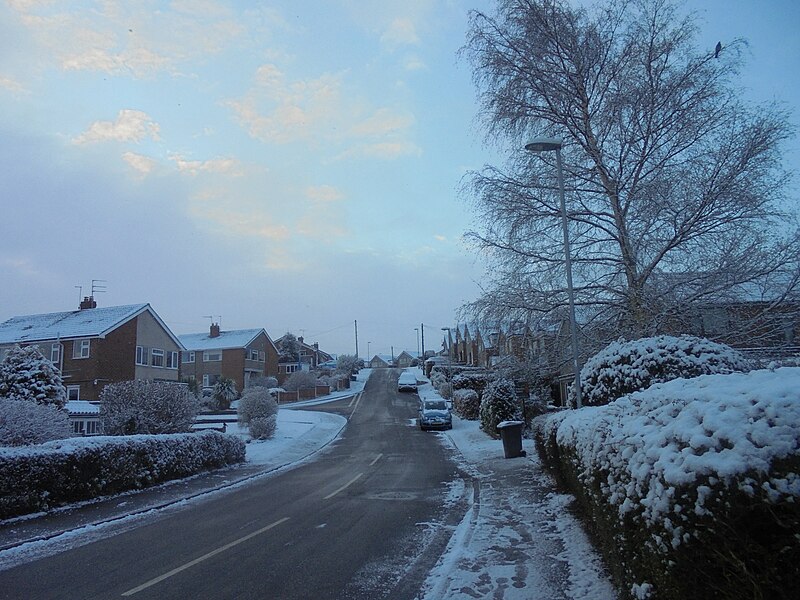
718	49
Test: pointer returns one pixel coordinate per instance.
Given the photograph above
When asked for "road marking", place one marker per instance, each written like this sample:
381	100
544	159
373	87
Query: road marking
355	408
169	574
376	459
344	487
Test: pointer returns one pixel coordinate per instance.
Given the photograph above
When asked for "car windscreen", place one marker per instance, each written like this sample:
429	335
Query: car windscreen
436	405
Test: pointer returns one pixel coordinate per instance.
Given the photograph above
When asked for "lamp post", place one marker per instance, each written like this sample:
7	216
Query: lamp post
549	145
417	330
369	358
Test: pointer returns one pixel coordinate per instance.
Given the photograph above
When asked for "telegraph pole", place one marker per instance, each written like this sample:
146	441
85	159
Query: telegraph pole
356	325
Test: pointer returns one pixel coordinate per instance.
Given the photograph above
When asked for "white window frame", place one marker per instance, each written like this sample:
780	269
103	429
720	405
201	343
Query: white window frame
55	353
188	357
293	368
157	355
78	427
142	355
92	427
71	389
253	354
172	359
81	349
209	354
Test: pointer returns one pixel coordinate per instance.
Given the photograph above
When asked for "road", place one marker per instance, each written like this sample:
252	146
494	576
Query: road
368	519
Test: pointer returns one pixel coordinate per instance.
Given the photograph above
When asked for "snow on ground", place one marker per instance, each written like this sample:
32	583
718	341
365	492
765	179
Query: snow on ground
518	540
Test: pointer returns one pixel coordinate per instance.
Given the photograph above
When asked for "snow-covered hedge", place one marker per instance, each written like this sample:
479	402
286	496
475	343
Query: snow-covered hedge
693	485
37	478
467	404
471	380
499	403
147	407
626	367
23	423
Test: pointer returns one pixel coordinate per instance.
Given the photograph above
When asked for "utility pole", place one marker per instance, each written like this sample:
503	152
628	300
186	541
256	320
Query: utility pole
356	325
422	328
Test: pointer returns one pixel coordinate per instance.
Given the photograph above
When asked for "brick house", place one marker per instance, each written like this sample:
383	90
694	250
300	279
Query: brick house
93	347
238	355
310	358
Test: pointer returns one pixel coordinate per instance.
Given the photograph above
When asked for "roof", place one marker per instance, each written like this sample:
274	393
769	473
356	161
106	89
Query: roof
90	322
82	407
237	338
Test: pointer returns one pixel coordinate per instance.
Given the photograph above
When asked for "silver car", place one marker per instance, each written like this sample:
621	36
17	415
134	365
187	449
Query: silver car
434	414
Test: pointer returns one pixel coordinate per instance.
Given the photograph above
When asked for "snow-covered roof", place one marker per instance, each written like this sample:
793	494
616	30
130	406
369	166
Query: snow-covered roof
237	338
82	407
90	322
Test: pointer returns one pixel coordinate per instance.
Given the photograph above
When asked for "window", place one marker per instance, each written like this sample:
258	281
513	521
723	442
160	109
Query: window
80	348
55	353
77	427
291	368
157	357
92	427
172	360
188	357
142	355
73	392
210	380
253	354
212	356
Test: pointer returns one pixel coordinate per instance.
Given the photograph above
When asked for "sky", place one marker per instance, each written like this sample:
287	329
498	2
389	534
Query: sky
293	165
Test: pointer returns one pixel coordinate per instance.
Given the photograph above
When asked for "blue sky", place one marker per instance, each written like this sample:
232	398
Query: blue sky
292	165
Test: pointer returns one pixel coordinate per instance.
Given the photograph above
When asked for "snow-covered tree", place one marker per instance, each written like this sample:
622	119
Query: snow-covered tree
25	374
499	403
134	407
23	423
269	382
624	367
347	363
675	186
467	404
258	412
300	380
289	348
224	393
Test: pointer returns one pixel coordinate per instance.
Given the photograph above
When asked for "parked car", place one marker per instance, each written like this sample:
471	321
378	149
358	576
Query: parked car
434	414
407	382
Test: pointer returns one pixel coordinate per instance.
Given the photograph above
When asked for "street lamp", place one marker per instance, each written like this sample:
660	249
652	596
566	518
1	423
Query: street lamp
369	358
549	145
417	330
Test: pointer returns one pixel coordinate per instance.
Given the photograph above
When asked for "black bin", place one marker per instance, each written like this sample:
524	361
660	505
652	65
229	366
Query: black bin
511	434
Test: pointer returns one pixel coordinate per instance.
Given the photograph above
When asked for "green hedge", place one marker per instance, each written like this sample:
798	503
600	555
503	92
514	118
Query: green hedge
38	478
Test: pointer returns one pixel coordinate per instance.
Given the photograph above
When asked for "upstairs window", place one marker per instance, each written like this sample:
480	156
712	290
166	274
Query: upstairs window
157	357
253	354
212	356
55	353
188	357
73	392
172	360
80	348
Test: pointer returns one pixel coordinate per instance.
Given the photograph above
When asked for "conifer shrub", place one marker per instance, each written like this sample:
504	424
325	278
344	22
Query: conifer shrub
498	404
467	404
630	366
258	412
25	374
471	380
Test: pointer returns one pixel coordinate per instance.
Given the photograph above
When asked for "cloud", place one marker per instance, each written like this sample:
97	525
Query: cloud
12	85
400	32
381	150
223	166
144	165
383	121
323	193
130	126
231	221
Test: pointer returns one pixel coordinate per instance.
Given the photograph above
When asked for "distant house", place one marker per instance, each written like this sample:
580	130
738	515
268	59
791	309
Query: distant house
93	347
380	361
406	359
311	358
239	355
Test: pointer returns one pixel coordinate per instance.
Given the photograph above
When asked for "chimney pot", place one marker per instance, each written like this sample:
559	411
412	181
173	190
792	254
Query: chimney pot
88	302
214	330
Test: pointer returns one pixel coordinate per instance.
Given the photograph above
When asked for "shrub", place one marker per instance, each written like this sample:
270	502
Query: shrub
625	367
25	374
258	412
467	404
142	407
24	423
41	477
471	380
692	485
224	393
498	404
264	381
300	380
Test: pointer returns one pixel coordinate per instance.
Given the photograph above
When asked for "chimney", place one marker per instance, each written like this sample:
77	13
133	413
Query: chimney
300	339
316	346
88	302
214	330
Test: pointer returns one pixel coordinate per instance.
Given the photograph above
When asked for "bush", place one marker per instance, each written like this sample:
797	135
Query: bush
467	404
42	477
625	367
264	381
24	423
300	380
471	380
258	412
692	485
25	374
498	404
146	407
224	393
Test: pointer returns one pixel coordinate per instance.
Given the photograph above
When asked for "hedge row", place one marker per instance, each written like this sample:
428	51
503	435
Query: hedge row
691	488
39	478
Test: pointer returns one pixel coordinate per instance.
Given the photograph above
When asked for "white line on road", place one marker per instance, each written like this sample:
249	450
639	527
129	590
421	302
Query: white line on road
358	399
202	558
344	487
376	459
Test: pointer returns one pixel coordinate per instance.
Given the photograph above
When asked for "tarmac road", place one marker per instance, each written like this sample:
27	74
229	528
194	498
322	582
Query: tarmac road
367	519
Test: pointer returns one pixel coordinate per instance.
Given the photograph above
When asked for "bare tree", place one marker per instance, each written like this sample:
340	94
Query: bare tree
675	186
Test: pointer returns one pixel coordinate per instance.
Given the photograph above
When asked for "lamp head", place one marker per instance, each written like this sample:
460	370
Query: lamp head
544	145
